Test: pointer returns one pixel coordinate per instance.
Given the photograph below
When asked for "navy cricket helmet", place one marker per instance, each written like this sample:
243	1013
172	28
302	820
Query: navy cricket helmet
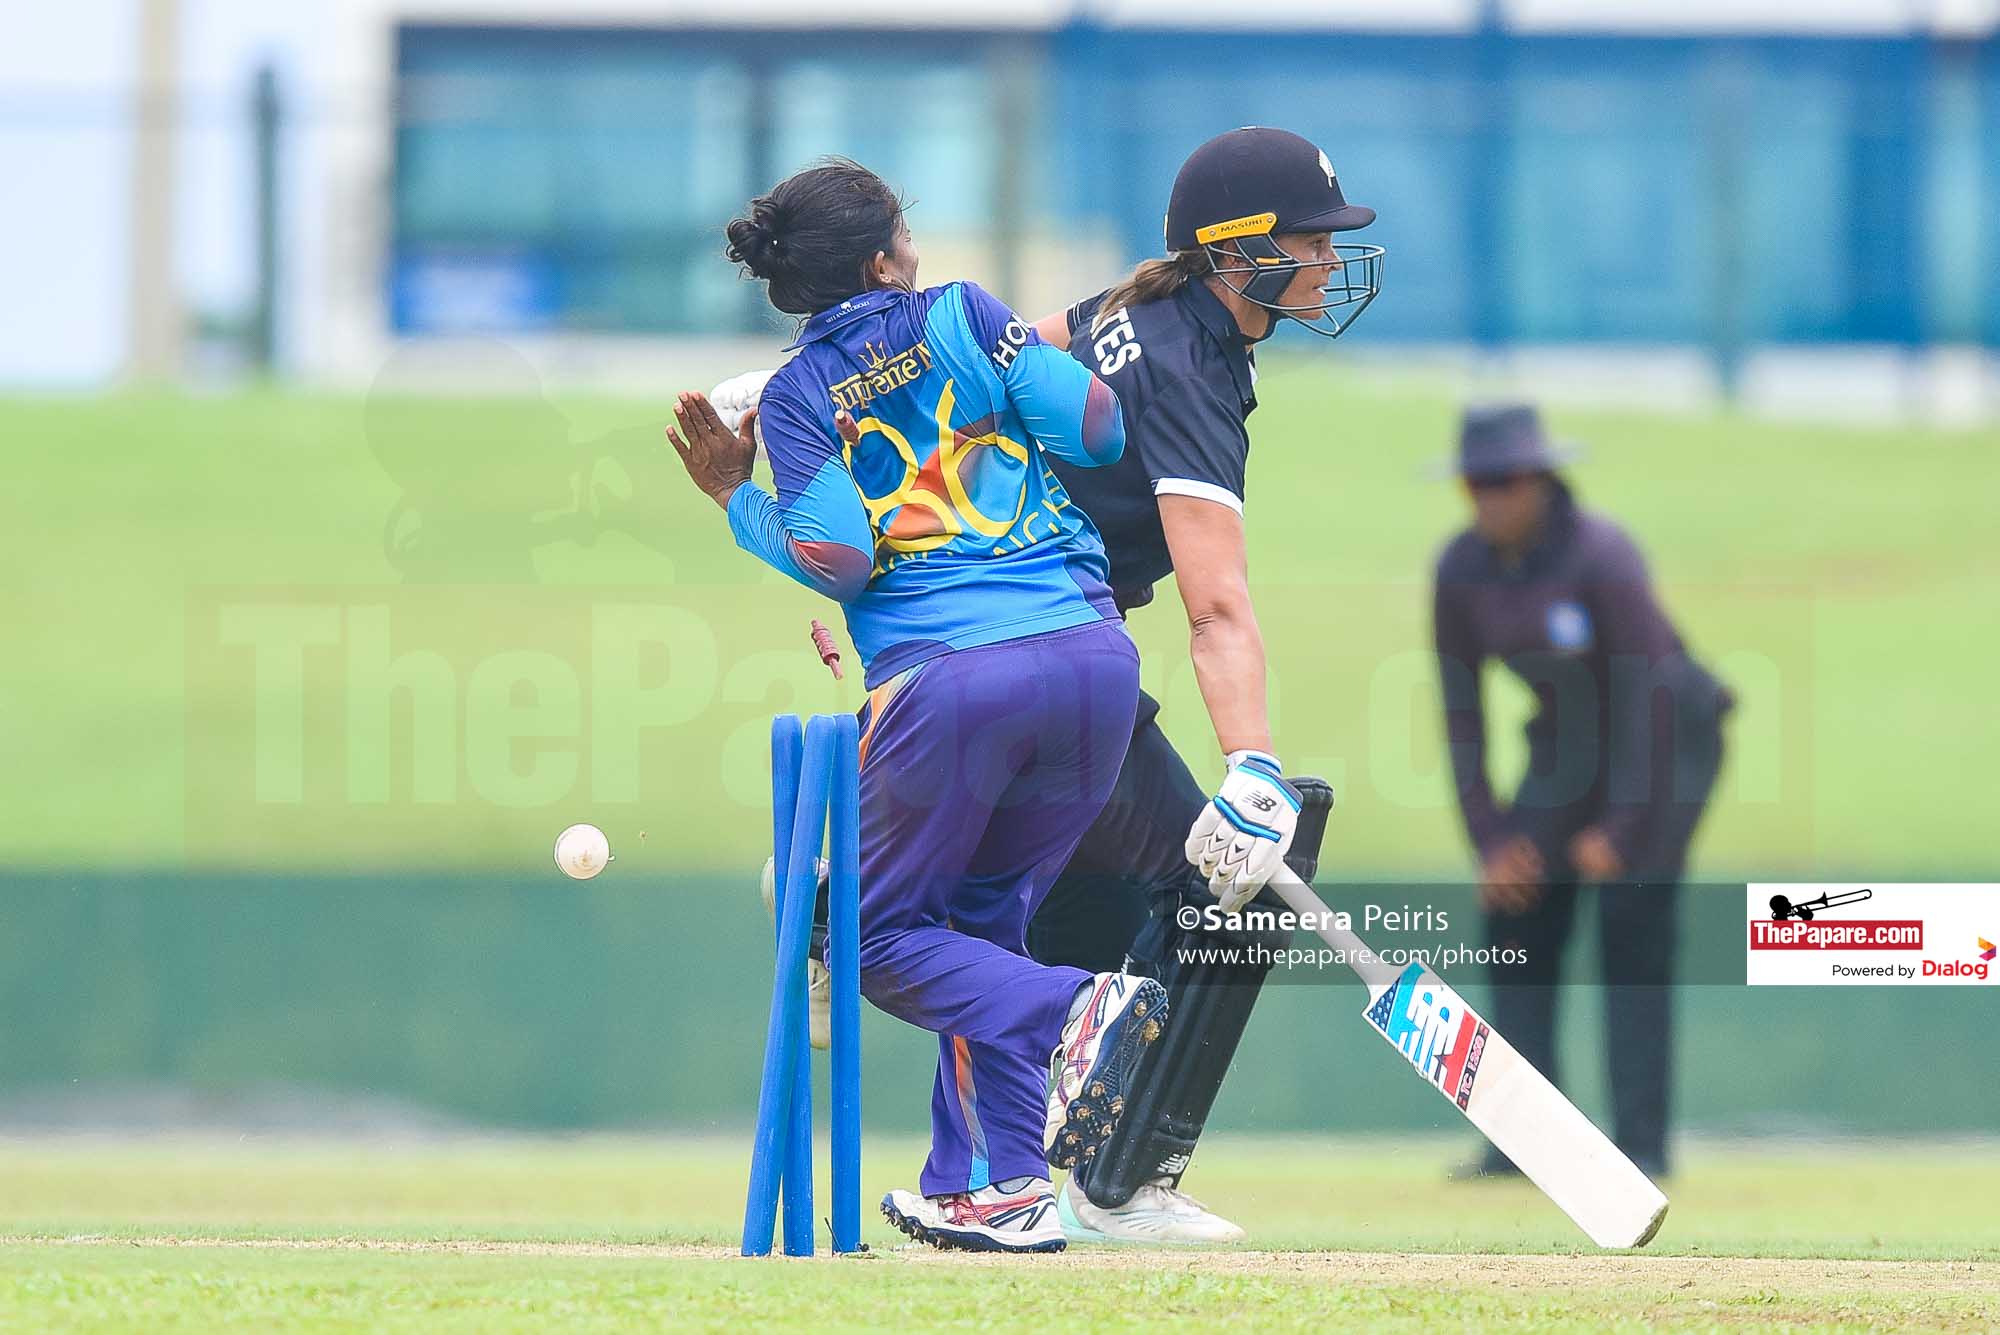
1240	190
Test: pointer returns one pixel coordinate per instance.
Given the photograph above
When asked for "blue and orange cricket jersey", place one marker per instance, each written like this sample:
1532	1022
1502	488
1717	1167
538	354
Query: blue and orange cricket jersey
944	527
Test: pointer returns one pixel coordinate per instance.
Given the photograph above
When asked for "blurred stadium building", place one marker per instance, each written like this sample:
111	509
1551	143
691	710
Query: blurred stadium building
1646	199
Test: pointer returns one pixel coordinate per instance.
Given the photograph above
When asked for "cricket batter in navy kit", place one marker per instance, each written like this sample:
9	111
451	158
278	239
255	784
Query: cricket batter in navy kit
1250	230
1250	233
1624	748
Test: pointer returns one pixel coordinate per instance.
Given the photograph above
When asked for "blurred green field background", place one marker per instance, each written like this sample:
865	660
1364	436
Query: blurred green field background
1843	579
605	1233
500	616
1304	1193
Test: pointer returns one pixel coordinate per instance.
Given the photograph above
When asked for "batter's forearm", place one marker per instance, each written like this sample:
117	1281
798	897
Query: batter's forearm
1228	652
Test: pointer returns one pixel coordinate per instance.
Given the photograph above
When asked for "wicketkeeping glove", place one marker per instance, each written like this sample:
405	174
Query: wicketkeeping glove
1241	836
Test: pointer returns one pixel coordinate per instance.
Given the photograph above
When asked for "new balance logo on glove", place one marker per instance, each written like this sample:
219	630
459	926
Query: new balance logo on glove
1241	836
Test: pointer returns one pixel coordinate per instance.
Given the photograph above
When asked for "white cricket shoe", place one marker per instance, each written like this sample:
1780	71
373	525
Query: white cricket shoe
819	983
1157	1213
1092	1065
988	1220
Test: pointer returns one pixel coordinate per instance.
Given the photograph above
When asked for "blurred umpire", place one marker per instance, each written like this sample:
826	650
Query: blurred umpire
1624	747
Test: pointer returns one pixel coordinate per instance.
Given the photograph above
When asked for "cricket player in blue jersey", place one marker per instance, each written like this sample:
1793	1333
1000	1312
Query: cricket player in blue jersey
1251	224
910	439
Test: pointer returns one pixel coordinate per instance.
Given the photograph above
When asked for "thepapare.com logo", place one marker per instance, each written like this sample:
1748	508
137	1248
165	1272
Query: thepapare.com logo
1899	934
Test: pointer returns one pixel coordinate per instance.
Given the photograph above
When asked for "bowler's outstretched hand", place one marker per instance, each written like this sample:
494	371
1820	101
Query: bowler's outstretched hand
717	459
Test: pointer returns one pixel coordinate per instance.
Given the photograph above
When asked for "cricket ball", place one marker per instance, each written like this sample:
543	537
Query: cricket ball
582	851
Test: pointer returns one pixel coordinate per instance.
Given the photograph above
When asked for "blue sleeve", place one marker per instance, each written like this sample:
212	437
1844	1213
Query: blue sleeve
1072	413
816	529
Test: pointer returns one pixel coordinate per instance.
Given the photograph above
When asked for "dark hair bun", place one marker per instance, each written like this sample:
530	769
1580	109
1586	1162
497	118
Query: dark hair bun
814	235
754	242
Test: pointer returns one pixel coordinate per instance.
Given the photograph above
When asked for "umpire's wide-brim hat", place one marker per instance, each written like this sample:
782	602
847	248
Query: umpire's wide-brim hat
1502	440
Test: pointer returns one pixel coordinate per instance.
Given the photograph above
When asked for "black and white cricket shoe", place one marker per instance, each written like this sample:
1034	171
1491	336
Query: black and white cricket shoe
1092	1066
990	1219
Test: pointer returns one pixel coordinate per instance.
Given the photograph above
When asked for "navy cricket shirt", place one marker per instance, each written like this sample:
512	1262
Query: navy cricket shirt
1184	376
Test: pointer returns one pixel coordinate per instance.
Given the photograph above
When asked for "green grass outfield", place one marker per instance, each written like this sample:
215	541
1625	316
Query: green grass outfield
1843	578
614	1234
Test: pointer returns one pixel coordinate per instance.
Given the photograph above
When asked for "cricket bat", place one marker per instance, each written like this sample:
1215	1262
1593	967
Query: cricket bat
1497	1089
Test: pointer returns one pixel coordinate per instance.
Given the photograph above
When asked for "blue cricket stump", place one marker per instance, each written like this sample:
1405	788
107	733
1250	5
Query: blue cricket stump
787	757
815	797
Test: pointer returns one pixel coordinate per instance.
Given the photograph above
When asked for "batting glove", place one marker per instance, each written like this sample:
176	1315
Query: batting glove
738	395
1242	835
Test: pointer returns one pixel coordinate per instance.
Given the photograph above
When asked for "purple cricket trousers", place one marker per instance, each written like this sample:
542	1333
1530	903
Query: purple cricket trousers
980	771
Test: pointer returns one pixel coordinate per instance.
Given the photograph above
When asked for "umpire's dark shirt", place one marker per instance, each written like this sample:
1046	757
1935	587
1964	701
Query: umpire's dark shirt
1577	621
1184	377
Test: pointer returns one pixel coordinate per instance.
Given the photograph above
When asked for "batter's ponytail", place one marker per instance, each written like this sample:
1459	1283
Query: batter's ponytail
1153	280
